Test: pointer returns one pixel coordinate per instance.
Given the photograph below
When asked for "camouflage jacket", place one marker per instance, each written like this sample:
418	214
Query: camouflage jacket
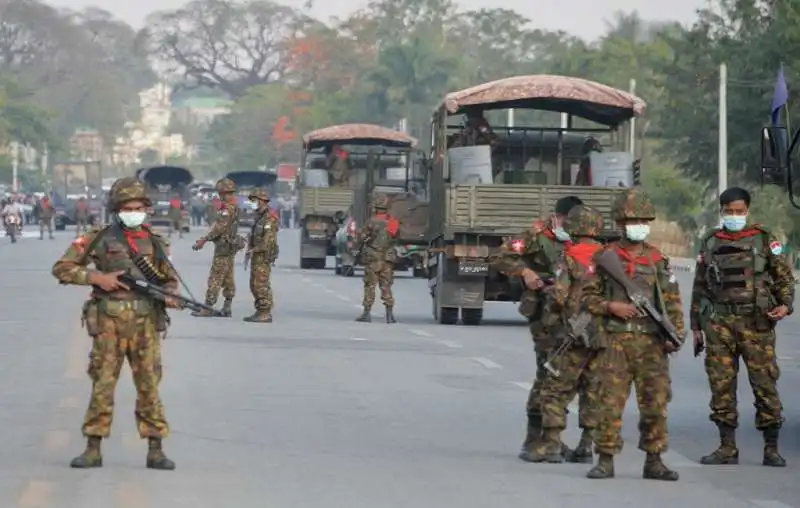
264	237
224	233
375	242
649	271
102	249
741	268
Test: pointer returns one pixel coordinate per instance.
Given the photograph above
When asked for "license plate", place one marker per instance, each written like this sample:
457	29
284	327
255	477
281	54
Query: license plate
473	267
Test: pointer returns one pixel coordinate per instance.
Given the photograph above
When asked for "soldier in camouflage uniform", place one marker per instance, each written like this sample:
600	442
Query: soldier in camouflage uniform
376	244
743	286
635	354
579	366
45	213
338	167
263	247
122	323
227	242
535	261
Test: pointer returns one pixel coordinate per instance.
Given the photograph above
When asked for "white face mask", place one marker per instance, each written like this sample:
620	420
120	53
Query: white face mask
561	234
132	219
637	232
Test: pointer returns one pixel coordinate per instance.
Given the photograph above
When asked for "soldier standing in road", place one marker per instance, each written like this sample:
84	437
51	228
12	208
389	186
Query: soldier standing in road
45	212
263	248
175	217
227	242
533	261
81	217
743	286
635	354
122	323
579	366
376	244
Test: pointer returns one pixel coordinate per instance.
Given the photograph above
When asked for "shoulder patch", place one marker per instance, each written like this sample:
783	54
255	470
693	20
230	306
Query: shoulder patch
776	247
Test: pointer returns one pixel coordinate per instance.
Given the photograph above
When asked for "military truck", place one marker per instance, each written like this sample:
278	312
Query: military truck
483	195
165	183
245	182
334	164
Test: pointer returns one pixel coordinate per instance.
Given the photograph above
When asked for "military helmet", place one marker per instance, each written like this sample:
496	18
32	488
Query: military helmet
225	185
128	189
261	194
380	202
583	220
633	204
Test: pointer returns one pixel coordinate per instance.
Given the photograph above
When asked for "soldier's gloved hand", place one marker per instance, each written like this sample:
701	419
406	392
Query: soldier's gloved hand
199	244
699	342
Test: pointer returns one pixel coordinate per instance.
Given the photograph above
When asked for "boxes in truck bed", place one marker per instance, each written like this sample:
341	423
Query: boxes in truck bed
509	209
325	201
413	217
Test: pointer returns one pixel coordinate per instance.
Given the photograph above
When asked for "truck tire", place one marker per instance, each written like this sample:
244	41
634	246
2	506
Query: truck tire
419	272
337	267
444	315
471	317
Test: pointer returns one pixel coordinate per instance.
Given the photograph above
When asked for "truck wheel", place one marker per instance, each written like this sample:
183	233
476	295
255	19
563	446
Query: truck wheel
443	315
306	263
61	227
337	267
471	317
419	272
319	264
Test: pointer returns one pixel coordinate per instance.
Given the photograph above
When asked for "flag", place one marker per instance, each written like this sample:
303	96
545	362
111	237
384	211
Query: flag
780	98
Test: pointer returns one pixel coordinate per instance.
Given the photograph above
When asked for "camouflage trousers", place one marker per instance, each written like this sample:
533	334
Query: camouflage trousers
260	271
222	277
378	274
176	225
80	227
728	339
639	360
45	224
125	335
580	374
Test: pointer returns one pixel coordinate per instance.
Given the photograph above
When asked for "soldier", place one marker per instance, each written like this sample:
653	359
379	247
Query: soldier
175	217
263	247
635	354
227	242
376	244
338	166
743	286
81	216
579	366
534	261
476	132
121	323
45	212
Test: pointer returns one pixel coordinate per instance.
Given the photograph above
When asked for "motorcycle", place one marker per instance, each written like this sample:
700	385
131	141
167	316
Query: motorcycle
13	227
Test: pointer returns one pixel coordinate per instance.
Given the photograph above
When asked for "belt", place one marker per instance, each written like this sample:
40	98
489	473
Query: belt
734	308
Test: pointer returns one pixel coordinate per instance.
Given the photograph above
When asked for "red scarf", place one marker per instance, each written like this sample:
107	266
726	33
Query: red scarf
582	252
392	224
753	230
132	236
632	260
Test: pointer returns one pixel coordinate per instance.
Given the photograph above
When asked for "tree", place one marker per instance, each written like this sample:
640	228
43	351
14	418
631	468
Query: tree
225	45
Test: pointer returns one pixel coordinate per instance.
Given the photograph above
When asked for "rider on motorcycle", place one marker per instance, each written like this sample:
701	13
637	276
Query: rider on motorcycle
11	208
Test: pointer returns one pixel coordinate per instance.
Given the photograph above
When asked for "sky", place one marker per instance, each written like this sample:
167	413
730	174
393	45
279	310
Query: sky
586	18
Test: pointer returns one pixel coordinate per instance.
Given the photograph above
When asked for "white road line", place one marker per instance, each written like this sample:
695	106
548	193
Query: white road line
343	298
419	333
522	384
487	363
786	358
769	503
358	338
305	279
358	306
450	344
330	291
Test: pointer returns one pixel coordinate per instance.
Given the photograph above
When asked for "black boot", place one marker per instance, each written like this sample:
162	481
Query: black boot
727	453
604	468
771	456
390	315
655	469
155	456
226	308
532	435
583	452
365	316
91	456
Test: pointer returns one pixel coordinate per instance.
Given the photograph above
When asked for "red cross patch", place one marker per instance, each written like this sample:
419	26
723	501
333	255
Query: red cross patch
776	248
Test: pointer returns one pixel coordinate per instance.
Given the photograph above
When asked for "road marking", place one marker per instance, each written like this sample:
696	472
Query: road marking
769	503
358	338
419	333
485	362
68	403
343	298
130	495
305	279
330	291
523	385
786	358
37	494
450	344
55	440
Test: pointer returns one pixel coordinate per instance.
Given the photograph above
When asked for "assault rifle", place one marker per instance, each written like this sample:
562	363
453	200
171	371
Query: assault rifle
577	330
612	265
145	288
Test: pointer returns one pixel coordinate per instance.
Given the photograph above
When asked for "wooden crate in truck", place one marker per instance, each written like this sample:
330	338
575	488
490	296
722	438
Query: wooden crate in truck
325	201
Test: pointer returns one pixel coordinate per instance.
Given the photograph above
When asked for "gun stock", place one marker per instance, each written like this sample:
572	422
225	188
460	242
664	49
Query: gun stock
612	265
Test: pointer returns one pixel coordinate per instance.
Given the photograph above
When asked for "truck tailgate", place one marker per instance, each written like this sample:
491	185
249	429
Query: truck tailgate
509	209
325	200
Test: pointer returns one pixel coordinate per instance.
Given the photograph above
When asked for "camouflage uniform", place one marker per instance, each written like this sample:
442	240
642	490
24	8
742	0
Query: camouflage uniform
579	366
45	212
376	244
263	246
122	325
540	252
81	217
339	169
738	279
175	221
227	242
635	353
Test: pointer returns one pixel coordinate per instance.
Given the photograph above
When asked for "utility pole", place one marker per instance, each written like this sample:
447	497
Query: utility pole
632	134
723	128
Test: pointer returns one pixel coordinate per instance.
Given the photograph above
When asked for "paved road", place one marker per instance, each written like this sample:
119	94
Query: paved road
317	410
